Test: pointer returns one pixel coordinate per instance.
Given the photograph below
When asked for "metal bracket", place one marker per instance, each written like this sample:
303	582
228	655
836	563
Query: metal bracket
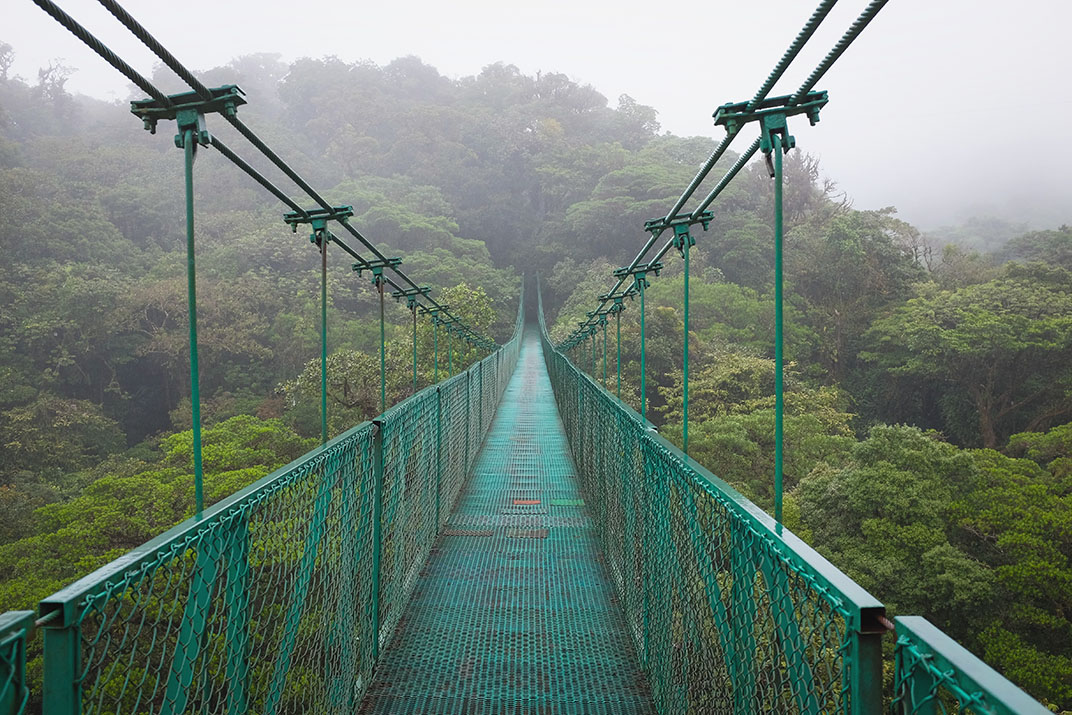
188	109
411	295
376	267
433	311
318	218
772	114
640	273
681	225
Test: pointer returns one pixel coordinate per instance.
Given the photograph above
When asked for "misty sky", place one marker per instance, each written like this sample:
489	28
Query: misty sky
943	108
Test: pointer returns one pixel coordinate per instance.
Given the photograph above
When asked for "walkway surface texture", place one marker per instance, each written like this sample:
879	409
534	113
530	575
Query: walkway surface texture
515	613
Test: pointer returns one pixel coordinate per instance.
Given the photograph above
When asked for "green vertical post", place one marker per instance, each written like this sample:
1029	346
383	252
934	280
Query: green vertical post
685	354
641	282
439	452
866	675
435	347
603	323
189	144
468	419
323	338
383	351
618	320
450	354
63	668
480	402
592	338
778	334
413	310
377	533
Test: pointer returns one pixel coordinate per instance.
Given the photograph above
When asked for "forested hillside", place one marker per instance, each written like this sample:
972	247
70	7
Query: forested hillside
929	402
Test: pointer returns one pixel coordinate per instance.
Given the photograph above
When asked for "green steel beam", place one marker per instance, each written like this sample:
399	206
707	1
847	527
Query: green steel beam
187	124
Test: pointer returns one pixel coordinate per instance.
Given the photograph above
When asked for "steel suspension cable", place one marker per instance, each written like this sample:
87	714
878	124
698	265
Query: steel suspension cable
238	161
801	39
791	53
159	50
99	47
851	34
143	35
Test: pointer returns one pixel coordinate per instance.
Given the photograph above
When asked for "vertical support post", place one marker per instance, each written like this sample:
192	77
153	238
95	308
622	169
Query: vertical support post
413	310
685	354
866	676
62	685
468	418
603	323
618	320
641	284
323	338
450	354
779	404
377	533
592	338
439	453
480	407
435	347
383	351
189	144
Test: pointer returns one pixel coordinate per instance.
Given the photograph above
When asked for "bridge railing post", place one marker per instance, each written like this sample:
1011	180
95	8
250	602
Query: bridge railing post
377	532
63	662
865	679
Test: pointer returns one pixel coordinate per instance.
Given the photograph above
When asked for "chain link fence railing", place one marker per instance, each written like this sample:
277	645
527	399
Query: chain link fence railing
279	598
730	613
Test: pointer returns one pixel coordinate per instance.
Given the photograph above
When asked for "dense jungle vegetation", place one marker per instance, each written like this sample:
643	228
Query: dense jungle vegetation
929	412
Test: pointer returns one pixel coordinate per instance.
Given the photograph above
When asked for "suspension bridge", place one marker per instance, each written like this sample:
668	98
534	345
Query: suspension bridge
513	538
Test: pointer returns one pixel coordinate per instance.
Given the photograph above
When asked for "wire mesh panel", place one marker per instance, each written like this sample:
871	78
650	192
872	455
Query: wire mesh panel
729	613
453	440
276	599
259	606
15	626
410	476
934	674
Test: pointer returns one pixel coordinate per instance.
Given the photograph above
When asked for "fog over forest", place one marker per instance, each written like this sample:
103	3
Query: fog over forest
942	111
929	352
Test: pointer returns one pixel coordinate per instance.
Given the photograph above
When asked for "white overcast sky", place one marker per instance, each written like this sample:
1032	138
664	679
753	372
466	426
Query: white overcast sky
943	108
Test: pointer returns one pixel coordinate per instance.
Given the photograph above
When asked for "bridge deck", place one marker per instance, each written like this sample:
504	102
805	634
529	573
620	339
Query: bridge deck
514	613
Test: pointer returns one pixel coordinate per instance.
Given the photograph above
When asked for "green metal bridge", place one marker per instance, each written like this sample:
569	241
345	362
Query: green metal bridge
513	539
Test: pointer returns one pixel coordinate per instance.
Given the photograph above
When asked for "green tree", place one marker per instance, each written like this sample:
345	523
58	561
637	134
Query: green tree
998	352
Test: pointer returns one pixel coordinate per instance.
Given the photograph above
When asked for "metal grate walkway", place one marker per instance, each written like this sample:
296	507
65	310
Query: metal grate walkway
514	613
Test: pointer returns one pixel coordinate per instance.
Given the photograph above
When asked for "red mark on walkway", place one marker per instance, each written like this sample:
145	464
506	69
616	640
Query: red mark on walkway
525	502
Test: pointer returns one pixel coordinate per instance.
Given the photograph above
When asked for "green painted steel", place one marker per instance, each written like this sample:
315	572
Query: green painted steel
933	673
641	284
278	598
189	147
779	335
729	613
323	341
514	612
413	310
15	627
383	350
